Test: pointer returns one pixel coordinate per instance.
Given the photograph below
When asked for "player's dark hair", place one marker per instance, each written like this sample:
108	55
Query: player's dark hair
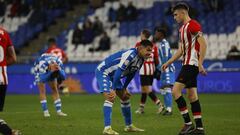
180	5
51	40
146	33
161	30
146	43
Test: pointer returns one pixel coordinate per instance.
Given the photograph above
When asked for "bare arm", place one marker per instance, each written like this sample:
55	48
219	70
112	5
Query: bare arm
203	48
11	55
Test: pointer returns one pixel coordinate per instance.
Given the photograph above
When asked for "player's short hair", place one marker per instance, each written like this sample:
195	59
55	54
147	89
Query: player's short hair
146	33
180	5
161	30
51	40
146	43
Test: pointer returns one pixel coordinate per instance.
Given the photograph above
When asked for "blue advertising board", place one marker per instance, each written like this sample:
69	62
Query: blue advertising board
81	78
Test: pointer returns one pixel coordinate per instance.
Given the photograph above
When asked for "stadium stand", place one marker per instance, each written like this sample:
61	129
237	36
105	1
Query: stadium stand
221	27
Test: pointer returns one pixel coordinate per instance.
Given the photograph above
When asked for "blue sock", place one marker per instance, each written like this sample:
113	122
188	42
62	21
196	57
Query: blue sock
44	105
58	105
168	98
107	112
126	111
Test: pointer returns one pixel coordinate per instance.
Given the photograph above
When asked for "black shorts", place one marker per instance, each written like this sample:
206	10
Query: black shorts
146	80
188	76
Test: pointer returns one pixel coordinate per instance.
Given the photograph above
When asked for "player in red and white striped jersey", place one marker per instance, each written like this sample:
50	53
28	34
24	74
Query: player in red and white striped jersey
147	75
7	57
56	51
192	49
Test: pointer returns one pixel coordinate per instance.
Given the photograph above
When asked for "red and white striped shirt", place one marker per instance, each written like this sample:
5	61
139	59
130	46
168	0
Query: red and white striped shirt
58	52
148	66
188	38
5	42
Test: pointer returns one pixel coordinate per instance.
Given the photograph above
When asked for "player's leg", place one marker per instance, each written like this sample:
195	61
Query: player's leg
3	90
104	83
182	106
124	96
56	97
147	82
107	111
144	92
143	99
196	110
167	81
167	95
43	99
5	129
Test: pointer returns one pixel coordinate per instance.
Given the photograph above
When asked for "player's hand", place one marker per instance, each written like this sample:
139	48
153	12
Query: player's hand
164	66
202	70
53	67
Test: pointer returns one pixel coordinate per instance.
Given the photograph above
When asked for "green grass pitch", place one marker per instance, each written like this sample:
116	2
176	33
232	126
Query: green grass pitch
221	116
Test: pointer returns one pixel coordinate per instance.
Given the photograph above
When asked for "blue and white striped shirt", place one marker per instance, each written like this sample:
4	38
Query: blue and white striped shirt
42	63
165	54
121	64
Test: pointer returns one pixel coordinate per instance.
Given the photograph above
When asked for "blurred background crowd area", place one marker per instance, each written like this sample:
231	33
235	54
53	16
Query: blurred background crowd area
90	30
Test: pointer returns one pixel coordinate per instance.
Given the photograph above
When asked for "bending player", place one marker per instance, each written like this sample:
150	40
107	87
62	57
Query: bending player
48	69
109	73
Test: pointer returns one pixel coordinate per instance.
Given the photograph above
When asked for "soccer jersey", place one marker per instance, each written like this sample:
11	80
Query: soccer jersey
188	34
5	42
56	51
118	65
148	66
164	51
41	72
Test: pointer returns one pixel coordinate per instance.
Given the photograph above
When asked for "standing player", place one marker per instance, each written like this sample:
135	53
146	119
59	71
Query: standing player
167	76
146	76
7	57
192	49
48	69
123	64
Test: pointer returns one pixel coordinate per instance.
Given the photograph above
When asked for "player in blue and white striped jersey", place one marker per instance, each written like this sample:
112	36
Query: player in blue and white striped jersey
49	69
123	64
168	76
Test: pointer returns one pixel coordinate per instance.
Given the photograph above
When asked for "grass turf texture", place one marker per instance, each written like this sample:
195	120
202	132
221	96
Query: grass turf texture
221	116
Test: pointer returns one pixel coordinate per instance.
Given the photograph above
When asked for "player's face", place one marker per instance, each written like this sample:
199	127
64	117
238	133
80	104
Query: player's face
142	36
178	15
145	52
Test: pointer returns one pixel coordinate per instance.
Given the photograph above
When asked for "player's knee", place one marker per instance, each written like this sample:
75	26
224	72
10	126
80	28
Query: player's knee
146	89
111	99
192	97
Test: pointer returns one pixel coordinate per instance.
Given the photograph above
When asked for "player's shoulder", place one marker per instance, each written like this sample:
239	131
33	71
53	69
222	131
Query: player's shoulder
3	32
193	22
138	44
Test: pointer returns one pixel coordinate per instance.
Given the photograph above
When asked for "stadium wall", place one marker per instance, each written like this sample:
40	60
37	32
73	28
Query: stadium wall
223	77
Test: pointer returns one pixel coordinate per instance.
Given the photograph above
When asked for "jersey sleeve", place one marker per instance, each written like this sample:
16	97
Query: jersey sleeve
195	27
155	55
137	44
8	39
126	58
